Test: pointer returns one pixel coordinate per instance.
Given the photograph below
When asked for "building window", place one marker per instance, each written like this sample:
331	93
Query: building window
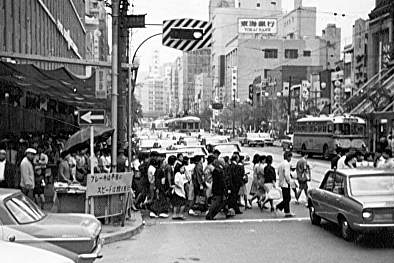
270	53
291	53
273	3
258	4
307	53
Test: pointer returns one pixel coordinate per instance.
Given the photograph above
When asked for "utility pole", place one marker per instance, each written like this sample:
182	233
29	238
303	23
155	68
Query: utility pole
115	73
289	107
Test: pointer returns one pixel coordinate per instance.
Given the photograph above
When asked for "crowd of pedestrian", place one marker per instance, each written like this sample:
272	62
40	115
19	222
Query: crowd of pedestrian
345	159
202	186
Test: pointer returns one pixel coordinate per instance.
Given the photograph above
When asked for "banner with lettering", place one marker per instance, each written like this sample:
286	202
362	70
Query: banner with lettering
108	184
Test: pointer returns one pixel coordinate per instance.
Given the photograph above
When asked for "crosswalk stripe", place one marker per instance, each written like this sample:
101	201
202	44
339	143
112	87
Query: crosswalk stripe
235	221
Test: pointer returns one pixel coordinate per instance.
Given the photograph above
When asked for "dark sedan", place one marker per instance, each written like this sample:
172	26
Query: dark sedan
358	200
76	236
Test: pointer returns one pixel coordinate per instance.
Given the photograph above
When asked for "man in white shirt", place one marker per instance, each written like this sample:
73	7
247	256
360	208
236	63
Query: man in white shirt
284	182
27	173
151	179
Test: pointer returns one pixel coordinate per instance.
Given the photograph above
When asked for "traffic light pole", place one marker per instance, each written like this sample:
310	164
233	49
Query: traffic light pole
114	73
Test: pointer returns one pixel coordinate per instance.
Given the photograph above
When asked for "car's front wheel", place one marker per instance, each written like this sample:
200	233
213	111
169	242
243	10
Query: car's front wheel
346	232
315	219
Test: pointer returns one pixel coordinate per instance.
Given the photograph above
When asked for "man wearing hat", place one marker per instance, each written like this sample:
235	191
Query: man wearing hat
7	172
27	173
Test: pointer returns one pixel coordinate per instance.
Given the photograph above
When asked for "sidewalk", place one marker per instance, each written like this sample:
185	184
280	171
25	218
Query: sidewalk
114	233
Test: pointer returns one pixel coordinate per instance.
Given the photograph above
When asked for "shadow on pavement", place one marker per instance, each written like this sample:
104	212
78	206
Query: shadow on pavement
380	240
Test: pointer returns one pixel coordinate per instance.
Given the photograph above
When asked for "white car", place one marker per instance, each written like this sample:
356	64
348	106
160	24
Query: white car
17	253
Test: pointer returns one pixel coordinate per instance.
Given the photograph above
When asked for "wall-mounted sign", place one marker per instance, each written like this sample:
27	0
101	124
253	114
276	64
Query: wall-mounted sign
257	26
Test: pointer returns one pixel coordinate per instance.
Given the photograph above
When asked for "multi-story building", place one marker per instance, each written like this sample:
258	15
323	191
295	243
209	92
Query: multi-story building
360	52
332	37
203	96
224	16
194	63
177	86
264	38
33	31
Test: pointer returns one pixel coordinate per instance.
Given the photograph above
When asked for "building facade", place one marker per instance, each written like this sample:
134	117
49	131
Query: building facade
36	30
194	63
380	33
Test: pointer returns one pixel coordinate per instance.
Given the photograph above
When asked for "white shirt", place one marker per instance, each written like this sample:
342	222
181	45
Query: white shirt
2	169
284	172
151	174
341	163
180	180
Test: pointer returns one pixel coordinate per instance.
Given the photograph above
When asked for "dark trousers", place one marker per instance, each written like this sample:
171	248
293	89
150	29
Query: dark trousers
28	193
233	199
285	204
216	205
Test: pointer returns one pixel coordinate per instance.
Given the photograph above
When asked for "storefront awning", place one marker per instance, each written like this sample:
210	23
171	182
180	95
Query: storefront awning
58	84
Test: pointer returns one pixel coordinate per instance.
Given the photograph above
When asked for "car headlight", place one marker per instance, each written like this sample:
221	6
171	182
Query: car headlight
367	215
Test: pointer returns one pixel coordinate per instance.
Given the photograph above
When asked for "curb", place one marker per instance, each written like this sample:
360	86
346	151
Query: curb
125	232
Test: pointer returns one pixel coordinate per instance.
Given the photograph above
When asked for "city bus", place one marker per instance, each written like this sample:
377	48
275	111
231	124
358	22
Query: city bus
323	134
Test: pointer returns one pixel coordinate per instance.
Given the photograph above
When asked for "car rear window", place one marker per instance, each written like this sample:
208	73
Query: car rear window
24	210
372	185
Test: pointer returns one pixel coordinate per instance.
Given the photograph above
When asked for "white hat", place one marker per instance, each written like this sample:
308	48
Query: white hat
3	151
31	150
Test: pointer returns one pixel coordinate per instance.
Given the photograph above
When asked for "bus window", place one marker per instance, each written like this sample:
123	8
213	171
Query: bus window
324	128
184	126
196	126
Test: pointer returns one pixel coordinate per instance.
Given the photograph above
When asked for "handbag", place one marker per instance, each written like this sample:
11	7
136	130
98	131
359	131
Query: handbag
274	194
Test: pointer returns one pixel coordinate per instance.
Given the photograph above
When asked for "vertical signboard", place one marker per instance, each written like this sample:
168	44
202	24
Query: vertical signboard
101	88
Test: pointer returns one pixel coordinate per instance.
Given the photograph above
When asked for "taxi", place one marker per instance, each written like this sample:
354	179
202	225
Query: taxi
358	200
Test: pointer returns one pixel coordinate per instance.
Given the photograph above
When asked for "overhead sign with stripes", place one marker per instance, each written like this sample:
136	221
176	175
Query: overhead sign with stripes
187	34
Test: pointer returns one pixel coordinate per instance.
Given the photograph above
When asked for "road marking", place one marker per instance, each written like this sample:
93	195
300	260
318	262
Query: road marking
234	221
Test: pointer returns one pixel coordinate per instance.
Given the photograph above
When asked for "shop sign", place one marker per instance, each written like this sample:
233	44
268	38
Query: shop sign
108	184
257	26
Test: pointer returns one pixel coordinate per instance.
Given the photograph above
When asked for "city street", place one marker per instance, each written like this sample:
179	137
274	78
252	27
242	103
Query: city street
255	236
294	240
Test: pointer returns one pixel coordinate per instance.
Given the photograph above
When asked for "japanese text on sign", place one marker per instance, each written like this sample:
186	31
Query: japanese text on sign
108	184
257	25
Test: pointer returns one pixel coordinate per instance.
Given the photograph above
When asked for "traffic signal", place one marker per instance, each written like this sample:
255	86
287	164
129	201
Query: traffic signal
251	94
187	33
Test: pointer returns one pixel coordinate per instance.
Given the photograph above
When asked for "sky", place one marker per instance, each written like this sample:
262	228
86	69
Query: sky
158	10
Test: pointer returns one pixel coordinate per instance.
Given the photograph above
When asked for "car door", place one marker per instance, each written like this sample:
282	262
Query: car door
322	195
336	202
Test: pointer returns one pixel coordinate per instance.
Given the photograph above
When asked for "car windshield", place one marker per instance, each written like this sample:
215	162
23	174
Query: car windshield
24	210
372	185
227	148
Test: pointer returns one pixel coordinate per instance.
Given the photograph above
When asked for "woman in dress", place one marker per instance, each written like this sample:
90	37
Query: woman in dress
257	189
269	181
178	199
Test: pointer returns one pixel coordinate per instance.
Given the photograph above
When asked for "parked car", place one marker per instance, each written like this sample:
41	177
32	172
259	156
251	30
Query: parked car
18	253
358	200
252	139
287	142
76	236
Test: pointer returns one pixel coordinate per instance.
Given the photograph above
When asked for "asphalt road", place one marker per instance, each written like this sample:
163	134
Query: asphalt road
277	240
254	236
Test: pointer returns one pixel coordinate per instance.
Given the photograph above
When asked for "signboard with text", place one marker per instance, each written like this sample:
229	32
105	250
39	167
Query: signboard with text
257	26
108	184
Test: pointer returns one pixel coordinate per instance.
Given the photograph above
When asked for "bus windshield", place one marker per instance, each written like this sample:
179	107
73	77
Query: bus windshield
349	129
